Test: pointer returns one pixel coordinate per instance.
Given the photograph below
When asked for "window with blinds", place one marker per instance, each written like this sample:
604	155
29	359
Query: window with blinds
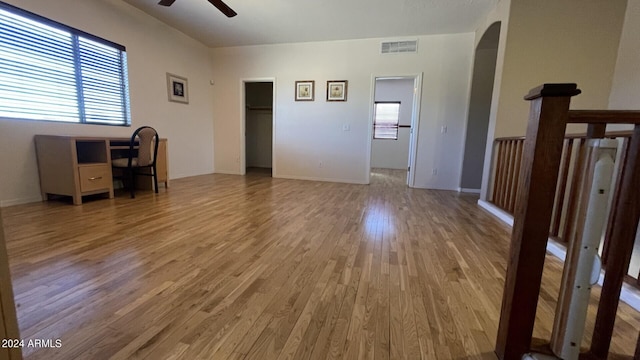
385	120
49	71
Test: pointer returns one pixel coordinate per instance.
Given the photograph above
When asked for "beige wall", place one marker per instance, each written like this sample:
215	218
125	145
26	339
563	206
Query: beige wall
153	49
551	41
558	41
309	140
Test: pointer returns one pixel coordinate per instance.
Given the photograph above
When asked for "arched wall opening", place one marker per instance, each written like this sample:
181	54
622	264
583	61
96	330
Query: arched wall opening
484	69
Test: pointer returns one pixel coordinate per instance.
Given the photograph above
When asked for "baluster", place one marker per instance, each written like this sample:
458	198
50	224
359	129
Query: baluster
562	188
578	173
510	173
499	170
516	182
616	199
504	172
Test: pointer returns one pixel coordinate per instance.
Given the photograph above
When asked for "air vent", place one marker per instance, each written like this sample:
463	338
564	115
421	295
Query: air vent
399	47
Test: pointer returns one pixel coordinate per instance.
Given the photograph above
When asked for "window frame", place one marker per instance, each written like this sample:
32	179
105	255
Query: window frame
396	127
76	34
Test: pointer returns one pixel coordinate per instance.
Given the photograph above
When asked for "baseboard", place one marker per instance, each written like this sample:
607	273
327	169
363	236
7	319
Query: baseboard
313	178
7	203
628	295
227	172
502	215
471	191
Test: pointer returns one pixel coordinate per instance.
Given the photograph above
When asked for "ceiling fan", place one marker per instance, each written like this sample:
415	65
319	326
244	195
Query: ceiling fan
224	8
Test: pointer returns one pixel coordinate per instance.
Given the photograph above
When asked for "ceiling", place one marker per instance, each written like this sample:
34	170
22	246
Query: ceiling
286	21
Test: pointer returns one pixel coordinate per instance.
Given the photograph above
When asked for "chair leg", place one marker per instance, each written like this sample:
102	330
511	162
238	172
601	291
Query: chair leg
155	179
132	184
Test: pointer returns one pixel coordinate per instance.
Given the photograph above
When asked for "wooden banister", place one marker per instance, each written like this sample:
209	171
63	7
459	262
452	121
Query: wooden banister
604	117
537	201
564	206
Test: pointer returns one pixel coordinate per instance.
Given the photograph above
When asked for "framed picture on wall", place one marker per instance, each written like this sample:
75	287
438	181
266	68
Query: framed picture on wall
337	90
305	90
177	88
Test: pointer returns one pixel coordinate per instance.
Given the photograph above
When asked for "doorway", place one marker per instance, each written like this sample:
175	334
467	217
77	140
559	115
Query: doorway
484	70
395	103
258	121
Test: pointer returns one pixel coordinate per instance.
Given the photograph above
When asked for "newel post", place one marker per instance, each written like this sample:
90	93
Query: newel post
532	217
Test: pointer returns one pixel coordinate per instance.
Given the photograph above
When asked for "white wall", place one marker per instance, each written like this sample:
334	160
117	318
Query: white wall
153	49
309	139
394	154
625	90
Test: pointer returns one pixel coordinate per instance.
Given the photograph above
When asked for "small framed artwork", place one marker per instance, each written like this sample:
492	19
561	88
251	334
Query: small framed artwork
337	90
177	88
304	90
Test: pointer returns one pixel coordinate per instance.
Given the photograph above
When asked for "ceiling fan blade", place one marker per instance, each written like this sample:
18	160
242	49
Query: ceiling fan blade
223	7
166	2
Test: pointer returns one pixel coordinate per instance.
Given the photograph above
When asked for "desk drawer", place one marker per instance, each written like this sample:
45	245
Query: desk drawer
95	177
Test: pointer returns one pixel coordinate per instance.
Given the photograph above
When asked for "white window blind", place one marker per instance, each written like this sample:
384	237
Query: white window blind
385	122
49	71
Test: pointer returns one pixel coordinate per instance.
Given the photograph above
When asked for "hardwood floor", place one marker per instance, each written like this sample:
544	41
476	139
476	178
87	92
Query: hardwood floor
231	267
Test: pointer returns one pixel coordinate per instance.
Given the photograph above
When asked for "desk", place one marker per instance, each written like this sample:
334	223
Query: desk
78	166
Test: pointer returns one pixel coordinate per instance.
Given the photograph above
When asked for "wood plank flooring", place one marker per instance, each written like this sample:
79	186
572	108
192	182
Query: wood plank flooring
231	267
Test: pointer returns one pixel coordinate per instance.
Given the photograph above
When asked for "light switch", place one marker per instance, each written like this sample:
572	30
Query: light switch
346	127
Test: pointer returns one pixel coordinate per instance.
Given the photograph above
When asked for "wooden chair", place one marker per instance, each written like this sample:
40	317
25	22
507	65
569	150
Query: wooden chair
140	156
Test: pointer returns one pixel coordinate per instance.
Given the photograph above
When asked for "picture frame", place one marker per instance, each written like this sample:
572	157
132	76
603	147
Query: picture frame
337	90
177	88
305	90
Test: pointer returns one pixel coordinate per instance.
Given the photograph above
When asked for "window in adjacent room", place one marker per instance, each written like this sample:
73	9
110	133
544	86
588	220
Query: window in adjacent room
50	71
385	120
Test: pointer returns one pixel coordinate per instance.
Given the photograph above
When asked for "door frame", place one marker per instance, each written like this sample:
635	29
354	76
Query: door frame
243	123
415	122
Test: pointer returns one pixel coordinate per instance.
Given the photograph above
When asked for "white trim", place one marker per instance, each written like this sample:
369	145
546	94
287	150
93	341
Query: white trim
502	215
471	191
228	172
313	178
628	295
415	123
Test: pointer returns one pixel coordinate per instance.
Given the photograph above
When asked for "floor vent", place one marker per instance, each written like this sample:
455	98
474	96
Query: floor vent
399	47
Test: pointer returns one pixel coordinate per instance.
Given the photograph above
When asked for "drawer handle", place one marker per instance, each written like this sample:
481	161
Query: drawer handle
95	178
